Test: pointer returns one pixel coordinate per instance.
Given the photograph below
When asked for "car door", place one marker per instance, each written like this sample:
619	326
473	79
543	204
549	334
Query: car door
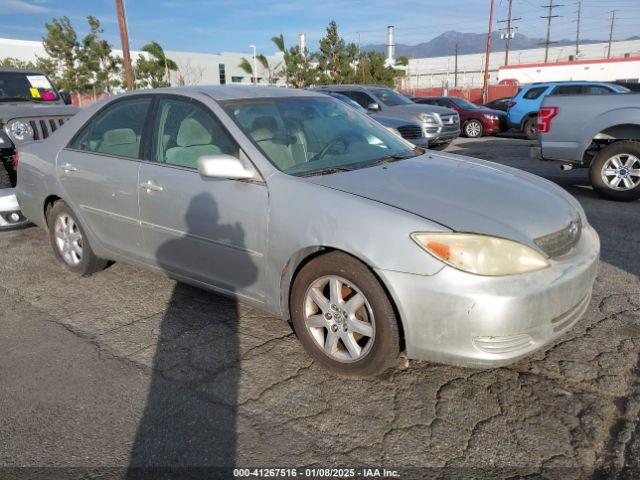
205	229
99	173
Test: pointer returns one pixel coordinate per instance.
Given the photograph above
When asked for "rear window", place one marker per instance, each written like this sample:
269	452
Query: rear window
534	93
17	86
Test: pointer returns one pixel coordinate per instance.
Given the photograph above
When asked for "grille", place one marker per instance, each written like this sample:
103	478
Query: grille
410	131
561	242
507	344
450	119
44	127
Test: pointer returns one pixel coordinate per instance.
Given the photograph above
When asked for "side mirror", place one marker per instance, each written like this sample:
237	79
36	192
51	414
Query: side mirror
223	166
373	107
65	96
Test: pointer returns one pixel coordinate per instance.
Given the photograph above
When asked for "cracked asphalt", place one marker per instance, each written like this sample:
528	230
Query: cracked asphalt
127	368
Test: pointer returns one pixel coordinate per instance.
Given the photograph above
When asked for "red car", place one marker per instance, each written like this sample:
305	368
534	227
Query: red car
475	121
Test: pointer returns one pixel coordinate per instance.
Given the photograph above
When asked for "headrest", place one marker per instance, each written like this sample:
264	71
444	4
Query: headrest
262	134
191	133
119	136
265	122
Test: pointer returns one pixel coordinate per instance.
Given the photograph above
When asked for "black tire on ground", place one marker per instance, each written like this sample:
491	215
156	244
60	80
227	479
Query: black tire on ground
89	263
384	351
598	163
476	132
530	128
439	147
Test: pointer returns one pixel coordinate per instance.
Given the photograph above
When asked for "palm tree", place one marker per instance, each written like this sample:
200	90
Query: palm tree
160	59
245	66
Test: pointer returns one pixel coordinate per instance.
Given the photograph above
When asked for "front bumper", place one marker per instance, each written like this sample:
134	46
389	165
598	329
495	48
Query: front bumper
442	135
10	215
474	321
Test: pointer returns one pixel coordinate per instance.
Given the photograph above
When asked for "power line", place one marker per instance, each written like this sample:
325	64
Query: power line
509	32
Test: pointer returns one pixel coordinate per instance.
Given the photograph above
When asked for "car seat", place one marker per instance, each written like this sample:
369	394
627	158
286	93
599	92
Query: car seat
193	141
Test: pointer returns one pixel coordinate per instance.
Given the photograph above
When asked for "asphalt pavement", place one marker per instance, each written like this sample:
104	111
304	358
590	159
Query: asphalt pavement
128	369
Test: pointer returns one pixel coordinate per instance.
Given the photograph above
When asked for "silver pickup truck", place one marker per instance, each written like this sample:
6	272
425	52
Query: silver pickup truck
599	132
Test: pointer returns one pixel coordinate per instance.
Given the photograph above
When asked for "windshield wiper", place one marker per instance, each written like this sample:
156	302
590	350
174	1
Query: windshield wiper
326	171
392	158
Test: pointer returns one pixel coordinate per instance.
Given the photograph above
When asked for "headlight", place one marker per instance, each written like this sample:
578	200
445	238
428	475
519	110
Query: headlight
488	116
481	254
20	130
427	118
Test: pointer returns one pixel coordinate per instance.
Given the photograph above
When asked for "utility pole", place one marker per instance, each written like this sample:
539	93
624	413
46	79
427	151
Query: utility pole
613	19
455	71
485	83
509	32
124	37
551	6
578	30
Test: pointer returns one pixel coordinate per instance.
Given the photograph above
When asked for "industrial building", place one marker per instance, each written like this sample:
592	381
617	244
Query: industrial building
440	71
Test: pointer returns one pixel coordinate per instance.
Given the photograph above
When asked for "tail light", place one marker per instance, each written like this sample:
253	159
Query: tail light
545	114
16	159
512	104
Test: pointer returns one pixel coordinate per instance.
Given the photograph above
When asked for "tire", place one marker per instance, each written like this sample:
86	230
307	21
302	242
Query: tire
440	147
622	161
375	333
530	128
71	247
473	129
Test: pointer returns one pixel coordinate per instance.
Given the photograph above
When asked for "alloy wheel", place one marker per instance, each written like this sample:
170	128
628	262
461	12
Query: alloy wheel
68	239
621	172
473	129
339	318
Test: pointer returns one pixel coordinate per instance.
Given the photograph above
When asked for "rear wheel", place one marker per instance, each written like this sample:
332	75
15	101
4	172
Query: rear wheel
530	128
343	317
615	171
473	129
69	241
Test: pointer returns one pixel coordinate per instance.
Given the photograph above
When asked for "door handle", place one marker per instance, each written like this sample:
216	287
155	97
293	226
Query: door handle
151	187
67	167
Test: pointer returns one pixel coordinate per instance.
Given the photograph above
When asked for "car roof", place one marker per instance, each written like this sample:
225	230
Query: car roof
21	70
350	87
231	92
568	82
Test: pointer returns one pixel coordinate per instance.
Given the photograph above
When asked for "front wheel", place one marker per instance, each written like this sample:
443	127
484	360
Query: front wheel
615	171
473	129
69	242
530	128
440	147
343	317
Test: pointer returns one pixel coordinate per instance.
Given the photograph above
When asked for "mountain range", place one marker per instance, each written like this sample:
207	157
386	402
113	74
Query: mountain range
444	44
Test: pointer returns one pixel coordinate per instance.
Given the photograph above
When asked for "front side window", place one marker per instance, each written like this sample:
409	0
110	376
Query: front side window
534	93
390	97
185	131
116	129
360	98
305	135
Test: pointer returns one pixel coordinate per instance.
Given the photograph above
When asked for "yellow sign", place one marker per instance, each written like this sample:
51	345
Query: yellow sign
34	92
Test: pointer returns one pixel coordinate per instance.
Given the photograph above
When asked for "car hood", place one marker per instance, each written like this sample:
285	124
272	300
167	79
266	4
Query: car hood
416	108
492	111
463	194
395	122
30	109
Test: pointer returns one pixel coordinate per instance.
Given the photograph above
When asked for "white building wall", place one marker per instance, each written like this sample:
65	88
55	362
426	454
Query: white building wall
595	71
439	71
199	68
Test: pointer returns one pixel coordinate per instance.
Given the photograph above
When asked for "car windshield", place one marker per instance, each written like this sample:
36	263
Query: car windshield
390	97
315	135
18	86
462	103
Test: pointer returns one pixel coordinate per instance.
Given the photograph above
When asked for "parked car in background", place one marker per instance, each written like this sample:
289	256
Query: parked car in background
523	109
303	207
30	109
410	130
599	132
475	121
501	104
439	125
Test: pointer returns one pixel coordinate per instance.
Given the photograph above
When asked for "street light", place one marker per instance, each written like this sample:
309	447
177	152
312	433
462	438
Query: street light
255	72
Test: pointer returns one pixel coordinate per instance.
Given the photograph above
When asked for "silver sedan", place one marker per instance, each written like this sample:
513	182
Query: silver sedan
297	204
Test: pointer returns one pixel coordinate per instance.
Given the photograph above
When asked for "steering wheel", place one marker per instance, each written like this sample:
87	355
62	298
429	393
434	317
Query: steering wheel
327	148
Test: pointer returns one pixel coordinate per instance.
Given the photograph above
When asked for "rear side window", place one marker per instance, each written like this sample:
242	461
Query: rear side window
363	99
568	90
115	130
596	90
534	93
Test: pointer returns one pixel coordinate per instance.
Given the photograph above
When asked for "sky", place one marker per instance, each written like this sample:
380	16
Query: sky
228	25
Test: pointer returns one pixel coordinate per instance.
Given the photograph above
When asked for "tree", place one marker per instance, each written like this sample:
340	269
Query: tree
62	46
336	58
154	70
11	62
402	61
245	66
188	74
97	65
372	70
300	72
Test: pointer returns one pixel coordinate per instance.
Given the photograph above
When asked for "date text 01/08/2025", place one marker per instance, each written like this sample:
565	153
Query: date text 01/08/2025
314	473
